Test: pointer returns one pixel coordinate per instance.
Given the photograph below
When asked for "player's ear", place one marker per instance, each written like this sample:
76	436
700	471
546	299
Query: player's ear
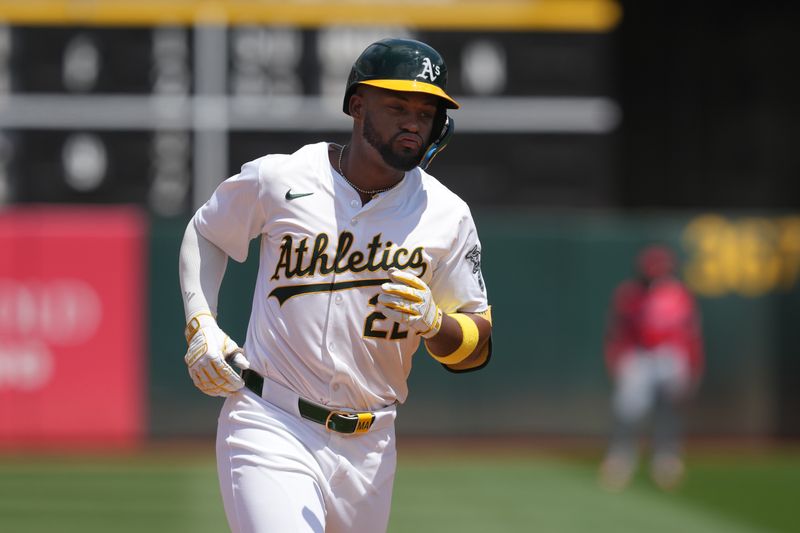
356	104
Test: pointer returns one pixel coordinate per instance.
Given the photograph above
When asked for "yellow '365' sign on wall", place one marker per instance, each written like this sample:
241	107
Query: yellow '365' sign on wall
750	256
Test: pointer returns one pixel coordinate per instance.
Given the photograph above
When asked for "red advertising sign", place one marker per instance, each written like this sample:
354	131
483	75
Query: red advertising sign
72	338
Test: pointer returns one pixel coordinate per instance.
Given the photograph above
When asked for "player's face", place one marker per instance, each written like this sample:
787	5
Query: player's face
398	125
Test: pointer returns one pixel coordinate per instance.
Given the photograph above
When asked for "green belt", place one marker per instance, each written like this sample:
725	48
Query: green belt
334	420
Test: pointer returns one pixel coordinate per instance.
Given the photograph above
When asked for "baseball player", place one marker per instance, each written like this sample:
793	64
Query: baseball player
654	355
363	254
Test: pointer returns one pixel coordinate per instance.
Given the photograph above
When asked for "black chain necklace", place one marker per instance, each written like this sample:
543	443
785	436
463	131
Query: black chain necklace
356	187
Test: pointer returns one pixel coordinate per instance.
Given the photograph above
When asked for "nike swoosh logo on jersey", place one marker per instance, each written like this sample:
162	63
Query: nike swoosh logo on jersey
291	196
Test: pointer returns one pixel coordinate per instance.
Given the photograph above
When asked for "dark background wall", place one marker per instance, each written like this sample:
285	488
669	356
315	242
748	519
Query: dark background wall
709	93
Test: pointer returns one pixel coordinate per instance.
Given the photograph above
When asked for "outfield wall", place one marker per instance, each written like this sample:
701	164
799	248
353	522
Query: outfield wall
550	276
109	368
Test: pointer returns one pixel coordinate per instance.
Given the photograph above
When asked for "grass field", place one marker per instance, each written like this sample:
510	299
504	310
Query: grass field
470	491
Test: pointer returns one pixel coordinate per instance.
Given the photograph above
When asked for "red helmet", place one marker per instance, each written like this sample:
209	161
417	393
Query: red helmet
656	261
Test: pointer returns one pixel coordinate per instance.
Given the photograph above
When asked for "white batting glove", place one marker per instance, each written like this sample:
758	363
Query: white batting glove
210	350
408	300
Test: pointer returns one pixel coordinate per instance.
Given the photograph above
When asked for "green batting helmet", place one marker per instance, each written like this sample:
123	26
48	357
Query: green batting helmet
400	65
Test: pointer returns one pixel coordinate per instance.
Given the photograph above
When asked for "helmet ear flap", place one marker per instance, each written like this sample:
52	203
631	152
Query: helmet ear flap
439	122
439	142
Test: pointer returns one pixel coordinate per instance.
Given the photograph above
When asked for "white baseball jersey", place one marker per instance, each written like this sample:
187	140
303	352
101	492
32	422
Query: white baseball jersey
323	257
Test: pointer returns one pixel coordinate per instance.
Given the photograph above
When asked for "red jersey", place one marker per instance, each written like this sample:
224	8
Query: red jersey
646	316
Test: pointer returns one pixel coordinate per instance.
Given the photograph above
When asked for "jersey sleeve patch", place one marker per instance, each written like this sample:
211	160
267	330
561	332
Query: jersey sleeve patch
474	257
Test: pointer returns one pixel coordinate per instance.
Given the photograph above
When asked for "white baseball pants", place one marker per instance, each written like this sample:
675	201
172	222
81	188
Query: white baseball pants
280	473
649	382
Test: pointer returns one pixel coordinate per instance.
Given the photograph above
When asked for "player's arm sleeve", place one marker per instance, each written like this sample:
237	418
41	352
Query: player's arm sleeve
201	269
236	212
222	227
459	287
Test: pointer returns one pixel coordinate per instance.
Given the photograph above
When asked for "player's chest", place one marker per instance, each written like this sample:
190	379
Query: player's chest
329	235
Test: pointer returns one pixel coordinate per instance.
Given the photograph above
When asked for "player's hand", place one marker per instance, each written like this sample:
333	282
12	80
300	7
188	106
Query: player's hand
408	300
208	357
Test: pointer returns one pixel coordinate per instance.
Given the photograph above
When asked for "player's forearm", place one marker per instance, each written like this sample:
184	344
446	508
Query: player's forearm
201	269
478	359
450	341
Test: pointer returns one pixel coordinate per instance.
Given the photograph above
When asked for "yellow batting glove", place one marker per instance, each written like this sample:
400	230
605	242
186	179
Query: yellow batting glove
210	350
408	300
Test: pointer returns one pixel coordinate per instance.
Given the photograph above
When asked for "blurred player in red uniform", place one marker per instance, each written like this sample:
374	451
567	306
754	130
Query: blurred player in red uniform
653	351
